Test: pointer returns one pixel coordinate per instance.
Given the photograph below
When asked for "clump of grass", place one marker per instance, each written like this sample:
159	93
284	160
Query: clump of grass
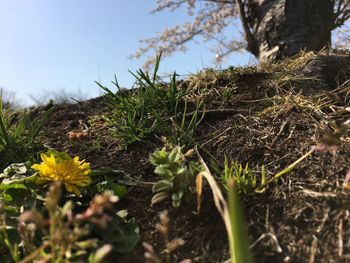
286	101
18	139
333	129
245	179
145	110
153	109
204	80
292	64
237	180
183	131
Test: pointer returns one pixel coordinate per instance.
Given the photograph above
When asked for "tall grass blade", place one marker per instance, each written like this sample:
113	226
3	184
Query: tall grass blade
231	214
238	239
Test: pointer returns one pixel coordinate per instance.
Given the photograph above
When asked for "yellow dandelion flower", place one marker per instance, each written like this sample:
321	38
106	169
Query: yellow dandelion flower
71	172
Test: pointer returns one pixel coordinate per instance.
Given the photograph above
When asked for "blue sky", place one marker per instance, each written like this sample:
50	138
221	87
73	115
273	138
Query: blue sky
54	45
68	44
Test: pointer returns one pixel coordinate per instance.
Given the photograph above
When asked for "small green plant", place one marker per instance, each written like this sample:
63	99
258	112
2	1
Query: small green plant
57	234
21	188
18	139
227	94
245	179
177	175
145	110
21	185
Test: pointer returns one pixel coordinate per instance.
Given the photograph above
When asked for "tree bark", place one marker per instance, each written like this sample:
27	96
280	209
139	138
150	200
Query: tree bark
281	28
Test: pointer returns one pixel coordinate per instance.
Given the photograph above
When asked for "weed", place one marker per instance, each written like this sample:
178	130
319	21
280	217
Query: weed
144	111
205	80
18	139
244	178
238	238
66	236
177	175
183	131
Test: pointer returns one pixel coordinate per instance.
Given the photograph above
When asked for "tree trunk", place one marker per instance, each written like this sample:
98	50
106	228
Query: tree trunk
281	28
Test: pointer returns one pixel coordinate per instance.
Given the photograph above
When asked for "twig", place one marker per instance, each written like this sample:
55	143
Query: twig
313	249
267	217
323	221
284	171
318	194
340	238
136	183
133	181
217	136
282	129
86	128
219	111
273	237
278	160
35	253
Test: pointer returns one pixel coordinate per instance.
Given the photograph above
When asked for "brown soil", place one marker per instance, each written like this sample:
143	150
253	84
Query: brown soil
304	217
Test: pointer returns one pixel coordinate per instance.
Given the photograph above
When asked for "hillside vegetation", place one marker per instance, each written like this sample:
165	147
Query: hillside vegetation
274	138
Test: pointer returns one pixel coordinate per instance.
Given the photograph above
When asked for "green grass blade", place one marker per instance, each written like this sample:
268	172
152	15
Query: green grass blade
4	133
156	67
291	166
238	238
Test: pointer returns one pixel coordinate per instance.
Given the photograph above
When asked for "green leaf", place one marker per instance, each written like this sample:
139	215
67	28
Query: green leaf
176	203
161	186
118	189
177	195
181	170
159	197
175	154
123	235
12	186
122	214
127	237
19	168
163	170
19	178
6	197
100	254
238	238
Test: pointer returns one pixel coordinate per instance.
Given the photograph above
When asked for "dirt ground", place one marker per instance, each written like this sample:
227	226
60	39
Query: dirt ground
255	116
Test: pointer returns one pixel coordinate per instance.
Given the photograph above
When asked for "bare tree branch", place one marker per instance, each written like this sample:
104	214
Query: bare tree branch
210	20
341	12
251	42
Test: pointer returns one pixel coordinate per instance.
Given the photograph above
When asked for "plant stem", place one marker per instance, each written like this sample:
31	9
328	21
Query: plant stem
284	171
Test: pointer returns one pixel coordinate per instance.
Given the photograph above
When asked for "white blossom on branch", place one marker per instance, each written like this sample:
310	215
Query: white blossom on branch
229	23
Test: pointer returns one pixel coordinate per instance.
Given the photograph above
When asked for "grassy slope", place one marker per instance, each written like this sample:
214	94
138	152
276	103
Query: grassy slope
271	115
